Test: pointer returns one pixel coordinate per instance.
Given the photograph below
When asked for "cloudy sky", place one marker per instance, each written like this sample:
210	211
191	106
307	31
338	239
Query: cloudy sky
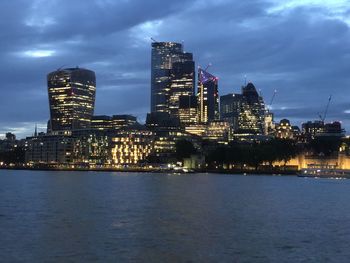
299	47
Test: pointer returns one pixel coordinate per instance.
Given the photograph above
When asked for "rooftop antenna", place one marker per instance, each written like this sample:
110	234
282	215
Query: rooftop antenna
245	80
36	130
183	45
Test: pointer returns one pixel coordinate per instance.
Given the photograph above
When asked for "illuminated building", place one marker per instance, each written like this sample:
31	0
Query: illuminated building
104	122
196	129
310	129
131	144
218	131
49	149
230	107
284	130
332	129
71	98
101	122
91	147
251	119
165	144
164	55
120	121
182	83
208	97
269	127
188	110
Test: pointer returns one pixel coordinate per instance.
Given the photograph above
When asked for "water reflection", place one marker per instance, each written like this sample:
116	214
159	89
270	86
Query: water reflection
85	216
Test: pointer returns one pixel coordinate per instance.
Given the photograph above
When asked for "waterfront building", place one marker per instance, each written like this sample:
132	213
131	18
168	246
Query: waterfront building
165	144
71	98
284	130
131	145
164	55
208	97
188	110
91	147
49	149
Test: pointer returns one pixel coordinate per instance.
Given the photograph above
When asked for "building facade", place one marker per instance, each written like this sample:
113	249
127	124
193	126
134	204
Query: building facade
182	83
208	97
188	110
131	145
164	55
71	98
230	108
251	118
49	149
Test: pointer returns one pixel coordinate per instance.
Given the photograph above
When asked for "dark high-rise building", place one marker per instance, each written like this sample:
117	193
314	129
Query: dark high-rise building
230	108
71	98
182	83
208	97
164	55
252	115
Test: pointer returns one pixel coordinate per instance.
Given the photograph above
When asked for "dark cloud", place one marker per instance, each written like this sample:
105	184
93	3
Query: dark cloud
304	52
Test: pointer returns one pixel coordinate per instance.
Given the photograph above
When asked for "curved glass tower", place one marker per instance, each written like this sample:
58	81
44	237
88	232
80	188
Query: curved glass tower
71	98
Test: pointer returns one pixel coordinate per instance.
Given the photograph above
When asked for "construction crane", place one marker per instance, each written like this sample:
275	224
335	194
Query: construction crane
209	65
153	39
272	99
322	118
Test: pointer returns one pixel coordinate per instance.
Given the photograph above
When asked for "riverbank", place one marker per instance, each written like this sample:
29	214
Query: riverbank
158	170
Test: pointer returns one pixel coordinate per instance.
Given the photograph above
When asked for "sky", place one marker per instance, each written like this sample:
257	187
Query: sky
301	48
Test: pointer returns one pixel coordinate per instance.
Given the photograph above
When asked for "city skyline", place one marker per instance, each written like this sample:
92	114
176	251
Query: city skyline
308	55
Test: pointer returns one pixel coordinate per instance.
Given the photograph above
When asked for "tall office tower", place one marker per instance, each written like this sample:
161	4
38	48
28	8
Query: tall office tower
230	108
252	116
71	98
164	55
188	109
182	82
208	97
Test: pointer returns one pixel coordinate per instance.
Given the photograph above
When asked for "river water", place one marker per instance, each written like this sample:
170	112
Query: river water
134	217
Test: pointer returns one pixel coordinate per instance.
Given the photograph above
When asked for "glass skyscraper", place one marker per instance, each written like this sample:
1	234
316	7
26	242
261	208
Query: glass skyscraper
164	56
252	115
71	98
182	83
208	97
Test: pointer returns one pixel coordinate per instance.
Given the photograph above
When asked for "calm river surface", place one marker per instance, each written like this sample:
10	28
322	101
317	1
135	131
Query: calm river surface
135	217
